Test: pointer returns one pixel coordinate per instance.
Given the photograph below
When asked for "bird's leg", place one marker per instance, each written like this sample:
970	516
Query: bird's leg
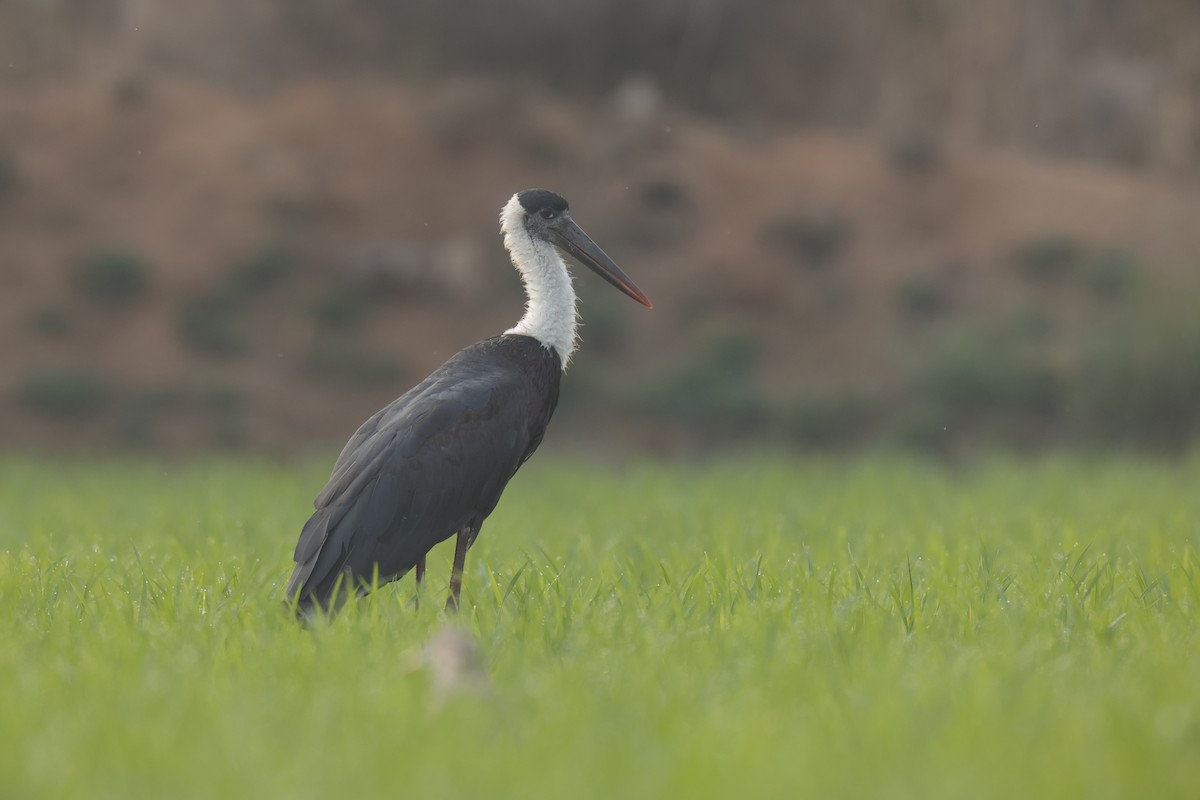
420	573
460	558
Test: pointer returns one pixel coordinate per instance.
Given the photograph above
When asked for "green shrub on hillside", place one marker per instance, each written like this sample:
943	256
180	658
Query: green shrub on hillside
214	322
1139	382
1049	258
258	273
981	376
1112	275
213	325
51	321
984	384
814	241
224	406
664	194
717	386
64	393
112	276
922	297
341	360
831	420
603	323
342	307
139	412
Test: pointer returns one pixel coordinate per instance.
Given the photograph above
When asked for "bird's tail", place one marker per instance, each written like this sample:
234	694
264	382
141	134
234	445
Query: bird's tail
327	597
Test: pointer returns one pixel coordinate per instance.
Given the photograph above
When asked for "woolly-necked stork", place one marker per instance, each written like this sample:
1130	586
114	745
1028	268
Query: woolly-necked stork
434	461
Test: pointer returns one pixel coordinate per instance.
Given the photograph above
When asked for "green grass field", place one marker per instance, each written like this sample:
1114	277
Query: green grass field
753	628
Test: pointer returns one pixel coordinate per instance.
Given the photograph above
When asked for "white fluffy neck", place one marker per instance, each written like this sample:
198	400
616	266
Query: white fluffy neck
550	315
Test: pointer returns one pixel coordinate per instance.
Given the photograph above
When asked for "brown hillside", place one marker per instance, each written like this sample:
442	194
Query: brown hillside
192	179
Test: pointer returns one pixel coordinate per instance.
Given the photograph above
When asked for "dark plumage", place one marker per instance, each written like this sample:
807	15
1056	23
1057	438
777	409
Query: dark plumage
434	462
389	501
534	200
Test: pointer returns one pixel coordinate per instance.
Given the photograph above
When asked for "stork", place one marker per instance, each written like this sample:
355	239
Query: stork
433	462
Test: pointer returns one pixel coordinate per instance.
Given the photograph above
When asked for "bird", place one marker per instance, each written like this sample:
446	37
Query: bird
433	463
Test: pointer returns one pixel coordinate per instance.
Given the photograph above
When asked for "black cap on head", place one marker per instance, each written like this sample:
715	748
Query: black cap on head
534	200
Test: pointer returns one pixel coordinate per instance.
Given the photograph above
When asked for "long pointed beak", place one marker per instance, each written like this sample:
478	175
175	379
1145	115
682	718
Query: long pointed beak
570	237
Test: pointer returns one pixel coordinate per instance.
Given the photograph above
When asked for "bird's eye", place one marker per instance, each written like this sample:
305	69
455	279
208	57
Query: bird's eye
548	213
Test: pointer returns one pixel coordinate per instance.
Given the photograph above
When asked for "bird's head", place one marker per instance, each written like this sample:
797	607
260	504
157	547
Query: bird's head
547	217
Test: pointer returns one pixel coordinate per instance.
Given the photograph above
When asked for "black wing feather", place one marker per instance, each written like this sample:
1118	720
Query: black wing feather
432	462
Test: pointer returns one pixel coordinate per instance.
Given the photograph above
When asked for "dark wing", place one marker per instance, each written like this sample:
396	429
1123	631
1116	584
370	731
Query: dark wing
433	461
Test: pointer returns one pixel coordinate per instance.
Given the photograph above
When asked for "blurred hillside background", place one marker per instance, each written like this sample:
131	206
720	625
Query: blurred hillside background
944	225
